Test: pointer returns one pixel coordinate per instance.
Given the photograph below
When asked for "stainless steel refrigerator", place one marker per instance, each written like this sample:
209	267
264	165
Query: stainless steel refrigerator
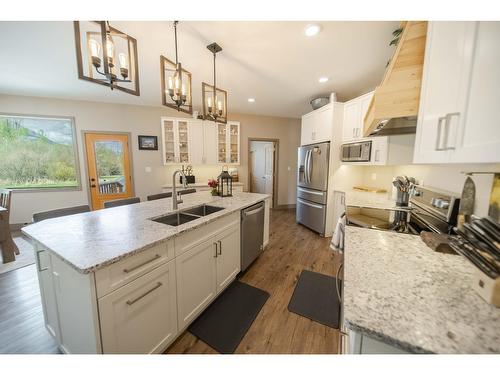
312	186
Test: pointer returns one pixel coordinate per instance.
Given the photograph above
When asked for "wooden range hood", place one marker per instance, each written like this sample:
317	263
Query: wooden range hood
394	105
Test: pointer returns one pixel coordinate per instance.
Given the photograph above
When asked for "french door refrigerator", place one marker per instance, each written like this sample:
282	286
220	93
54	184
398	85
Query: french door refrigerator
312	186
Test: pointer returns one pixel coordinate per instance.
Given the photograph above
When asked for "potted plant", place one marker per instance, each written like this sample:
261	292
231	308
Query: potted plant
213	185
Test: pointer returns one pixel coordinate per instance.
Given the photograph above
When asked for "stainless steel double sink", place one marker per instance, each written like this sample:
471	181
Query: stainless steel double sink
187	215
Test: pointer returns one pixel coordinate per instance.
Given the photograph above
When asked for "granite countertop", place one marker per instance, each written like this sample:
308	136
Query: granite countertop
356	198
168	185
92	240
401	292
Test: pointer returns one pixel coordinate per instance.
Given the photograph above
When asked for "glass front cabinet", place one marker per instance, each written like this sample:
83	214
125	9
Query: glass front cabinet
194	142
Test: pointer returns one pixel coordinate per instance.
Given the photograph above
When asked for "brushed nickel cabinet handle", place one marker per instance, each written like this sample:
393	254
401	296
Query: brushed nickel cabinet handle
220	248
127	270
130	302
216	250
447	129
439	130
38	263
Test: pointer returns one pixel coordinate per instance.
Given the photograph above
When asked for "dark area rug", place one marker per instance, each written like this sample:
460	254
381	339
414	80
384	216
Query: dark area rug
315	297
226	321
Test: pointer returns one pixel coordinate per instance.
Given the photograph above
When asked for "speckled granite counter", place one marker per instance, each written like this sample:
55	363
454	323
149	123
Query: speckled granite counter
92	240
399	291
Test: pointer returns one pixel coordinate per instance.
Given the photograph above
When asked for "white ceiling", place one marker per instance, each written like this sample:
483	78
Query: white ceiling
273	62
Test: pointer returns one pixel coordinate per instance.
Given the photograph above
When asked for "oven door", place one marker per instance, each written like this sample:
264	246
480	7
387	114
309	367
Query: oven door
421	220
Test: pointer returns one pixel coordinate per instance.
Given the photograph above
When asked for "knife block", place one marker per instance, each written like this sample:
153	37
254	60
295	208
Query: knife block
487	288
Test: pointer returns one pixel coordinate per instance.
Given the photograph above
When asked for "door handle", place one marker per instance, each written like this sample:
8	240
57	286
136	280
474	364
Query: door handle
439	131
216	250
447	129
220	248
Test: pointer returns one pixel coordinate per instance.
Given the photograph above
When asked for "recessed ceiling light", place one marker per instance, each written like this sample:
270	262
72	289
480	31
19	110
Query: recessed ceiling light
312	30
323	79
251	100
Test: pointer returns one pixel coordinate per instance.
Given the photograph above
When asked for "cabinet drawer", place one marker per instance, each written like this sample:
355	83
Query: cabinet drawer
118	274
141	317
203	233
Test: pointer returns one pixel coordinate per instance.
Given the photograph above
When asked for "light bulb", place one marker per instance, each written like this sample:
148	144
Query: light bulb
123	60
183	89
170	83
219	105
110	48
95	47
209	102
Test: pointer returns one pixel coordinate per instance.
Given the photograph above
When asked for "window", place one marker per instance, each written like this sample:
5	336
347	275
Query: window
38	153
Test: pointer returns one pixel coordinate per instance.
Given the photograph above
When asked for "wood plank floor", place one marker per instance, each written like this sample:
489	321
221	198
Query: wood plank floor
292	248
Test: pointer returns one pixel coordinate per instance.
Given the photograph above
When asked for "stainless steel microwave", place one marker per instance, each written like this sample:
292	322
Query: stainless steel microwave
356	152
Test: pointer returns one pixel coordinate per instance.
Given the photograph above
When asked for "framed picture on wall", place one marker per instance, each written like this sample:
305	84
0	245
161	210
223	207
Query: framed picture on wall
148	142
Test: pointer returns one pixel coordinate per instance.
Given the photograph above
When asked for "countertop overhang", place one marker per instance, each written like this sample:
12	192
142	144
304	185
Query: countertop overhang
401	292
92	240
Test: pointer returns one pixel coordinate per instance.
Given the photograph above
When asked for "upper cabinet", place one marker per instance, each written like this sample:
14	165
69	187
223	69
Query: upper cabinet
317	125
199	142
354	113
459	109
228	143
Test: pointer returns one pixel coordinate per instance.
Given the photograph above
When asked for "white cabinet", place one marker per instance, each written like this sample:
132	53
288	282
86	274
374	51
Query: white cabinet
205	270
228	257
196	281
195	142
228	143
175	140
209	142
317	126
141	317
459	111
47	292
354	114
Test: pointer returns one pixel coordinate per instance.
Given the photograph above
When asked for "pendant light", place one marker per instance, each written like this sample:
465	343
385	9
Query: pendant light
106	56
175	82
214	98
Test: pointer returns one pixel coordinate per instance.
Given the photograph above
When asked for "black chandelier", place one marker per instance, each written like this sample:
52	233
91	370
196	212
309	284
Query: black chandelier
175	82
214	98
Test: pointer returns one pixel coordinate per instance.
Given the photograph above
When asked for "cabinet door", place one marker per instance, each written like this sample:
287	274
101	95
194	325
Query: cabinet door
168	136
196	281
478	140
141	317
47	293
228	257
222	144
307	129
323	123
444	86
233	142
209	142
379	151
195	142
182	141
364	104
351	121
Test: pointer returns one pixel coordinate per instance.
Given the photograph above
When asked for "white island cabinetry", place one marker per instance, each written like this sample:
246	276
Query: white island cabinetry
142	302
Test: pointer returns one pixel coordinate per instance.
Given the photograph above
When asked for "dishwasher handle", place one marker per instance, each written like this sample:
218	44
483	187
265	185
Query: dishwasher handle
253	212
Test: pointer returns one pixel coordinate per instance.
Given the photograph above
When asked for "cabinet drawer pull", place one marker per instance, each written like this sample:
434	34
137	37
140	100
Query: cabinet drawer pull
127	270
130	302
216	250
447	130
439	131
220	248
39	264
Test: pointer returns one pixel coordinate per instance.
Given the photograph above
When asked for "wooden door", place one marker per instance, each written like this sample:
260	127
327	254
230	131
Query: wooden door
108	167
141	317
228	258
196	281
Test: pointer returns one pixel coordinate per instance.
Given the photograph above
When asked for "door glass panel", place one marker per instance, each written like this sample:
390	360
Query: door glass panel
183	142
234	143
109	157
221	130
169	141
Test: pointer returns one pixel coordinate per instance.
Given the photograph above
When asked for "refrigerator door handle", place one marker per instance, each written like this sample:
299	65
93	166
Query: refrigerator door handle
309	168
306	167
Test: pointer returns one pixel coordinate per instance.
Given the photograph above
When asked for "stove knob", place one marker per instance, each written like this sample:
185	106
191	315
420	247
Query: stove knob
435	202
444	204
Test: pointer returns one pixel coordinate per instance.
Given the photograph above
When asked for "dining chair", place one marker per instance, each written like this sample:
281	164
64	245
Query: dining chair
121	202
9	247
39	216
169	194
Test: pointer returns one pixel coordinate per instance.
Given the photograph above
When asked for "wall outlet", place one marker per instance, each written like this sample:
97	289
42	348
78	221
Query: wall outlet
373	176
289	169
148	169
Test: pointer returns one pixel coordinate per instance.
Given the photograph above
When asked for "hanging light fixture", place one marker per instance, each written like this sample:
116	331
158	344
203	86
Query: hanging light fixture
115	65
175	82
214	98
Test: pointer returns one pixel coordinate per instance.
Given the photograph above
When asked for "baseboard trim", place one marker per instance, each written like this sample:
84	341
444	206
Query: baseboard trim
285	207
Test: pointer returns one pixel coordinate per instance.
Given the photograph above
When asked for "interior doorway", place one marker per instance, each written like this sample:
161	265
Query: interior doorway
108	167
262	171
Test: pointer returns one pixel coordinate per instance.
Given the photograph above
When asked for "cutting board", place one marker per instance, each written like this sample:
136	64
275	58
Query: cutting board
369	189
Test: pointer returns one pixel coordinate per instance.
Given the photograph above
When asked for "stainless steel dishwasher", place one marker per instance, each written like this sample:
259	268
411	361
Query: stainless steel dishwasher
252	234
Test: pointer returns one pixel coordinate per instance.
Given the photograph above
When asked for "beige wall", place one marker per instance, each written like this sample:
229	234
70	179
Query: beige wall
145	120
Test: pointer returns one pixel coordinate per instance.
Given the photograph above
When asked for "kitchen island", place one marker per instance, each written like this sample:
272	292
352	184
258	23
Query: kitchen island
401	296
116	281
